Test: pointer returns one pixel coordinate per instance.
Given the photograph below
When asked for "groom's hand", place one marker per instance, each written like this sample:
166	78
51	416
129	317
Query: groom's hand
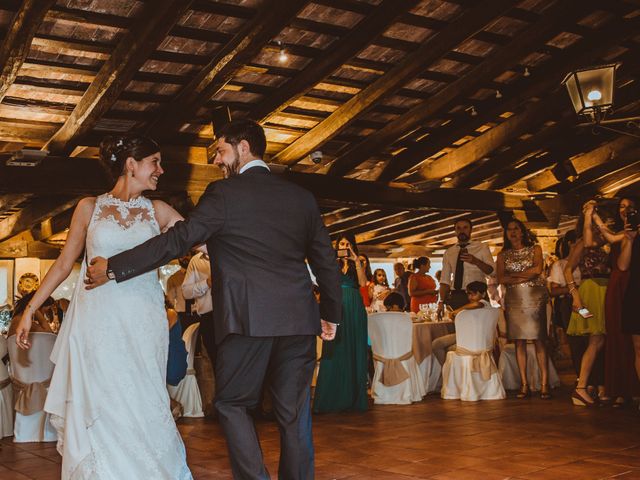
328	330
96	273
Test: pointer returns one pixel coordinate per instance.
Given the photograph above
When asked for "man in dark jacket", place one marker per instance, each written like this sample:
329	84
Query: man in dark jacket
259	229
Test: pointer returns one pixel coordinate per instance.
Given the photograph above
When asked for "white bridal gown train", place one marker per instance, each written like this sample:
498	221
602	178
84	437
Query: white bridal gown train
108	396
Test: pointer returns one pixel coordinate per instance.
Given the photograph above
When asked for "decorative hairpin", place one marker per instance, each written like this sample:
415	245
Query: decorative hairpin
113	157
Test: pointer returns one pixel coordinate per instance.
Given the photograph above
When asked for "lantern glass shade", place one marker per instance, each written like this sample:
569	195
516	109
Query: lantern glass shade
591	89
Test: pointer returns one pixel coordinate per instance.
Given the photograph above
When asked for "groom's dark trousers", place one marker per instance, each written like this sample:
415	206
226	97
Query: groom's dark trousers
241	366
259	230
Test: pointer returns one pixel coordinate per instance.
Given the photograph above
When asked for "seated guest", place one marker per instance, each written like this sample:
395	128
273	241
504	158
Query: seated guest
477	296
394	302
177	357
40	323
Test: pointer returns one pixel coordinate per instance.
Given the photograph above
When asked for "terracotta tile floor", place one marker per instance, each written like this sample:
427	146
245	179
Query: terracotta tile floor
514	439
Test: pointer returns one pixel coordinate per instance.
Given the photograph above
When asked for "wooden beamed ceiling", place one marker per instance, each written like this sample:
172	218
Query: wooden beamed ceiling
457	102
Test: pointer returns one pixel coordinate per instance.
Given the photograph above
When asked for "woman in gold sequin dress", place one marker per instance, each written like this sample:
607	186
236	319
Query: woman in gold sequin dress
519	270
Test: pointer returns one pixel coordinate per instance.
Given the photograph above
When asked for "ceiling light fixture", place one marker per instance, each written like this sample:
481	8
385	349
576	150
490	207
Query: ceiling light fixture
282	56
498	94
592	94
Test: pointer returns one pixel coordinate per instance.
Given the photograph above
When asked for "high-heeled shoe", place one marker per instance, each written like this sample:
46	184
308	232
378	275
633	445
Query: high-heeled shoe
544	392
524	392
580	401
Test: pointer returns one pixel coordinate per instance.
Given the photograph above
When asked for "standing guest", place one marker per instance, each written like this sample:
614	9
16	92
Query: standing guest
438	275
259	228
629	260
467	261
364	291
621	382
588	316
422	287
342	379
196	286
174	292
401	282
378	290
520	267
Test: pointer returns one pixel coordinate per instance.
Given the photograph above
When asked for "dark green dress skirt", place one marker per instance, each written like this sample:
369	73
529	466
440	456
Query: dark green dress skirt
342	379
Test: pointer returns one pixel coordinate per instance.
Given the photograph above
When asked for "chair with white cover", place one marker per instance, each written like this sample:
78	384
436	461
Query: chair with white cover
470	373
31	372
6	394
187	392
396	379
508	369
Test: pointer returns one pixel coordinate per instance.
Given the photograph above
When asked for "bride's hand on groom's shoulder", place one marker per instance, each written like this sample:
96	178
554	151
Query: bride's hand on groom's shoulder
96	273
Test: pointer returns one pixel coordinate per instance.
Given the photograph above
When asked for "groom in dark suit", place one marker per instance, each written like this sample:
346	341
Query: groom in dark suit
259	229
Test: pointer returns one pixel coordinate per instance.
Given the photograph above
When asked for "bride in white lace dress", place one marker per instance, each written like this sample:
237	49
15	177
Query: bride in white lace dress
108	396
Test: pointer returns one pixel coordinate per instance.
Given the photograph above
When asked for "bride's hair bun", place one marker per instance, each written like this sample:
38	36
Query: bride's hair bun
115	149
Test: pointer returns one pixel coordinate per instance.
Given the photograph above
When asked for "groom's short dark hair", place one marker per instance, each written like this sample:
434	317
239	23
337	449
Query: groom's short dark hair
236	131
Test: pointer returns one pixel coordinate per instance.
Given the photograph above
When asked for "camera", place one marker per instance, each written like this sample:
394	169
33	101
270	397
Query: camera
343	253
633	219
316	156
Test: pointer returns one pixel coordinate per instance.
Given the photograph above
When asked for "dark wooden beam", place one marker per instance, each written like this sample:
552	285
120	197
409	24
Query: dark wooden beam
426	222
438	45
82	176
542	79
16	43
546	27
489	142
37	210
155	21
443	226
255	34
360	36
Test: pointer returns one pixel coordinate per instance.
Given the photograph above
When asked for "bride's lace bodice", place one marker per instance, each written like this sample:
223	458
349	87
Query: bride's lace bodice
117	225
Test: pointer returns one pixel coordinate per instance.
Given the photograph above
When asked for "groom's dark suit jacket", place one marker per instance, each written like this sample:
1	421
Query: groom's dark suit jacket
259	229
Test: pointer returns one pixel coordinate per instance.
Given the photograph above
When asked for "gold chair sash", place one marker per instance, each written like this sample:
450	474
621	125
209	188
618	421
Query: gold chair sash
480	361
29	397
393	372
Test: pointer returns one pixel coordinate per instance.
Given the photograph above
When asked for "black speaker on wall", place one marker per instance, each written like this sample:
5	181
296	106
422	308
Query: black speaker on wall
220	116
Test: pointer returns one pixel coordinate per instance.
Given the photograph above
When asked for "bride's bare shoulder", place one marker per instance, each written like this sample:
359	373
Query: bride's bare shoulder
84	209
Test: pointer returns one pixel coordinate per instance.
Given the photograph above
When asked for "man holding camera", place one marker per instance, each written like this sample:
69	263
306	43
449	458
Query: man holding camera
467	261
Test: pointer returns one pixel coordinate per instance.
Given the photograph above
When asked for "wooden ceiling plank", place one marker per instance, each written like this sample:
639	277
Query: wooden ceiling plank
437	46
491	140
247	43
17	41
355	40
548	25
541	80
130	54
582	163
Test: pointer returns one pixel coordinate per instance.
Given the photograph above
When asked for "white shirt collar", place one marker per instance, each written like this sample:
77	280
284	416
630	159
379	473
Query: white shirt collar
254	163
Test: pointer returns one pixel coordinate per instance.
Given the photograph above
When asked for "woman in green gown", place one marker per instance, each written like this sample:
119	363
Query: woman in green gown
342	379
